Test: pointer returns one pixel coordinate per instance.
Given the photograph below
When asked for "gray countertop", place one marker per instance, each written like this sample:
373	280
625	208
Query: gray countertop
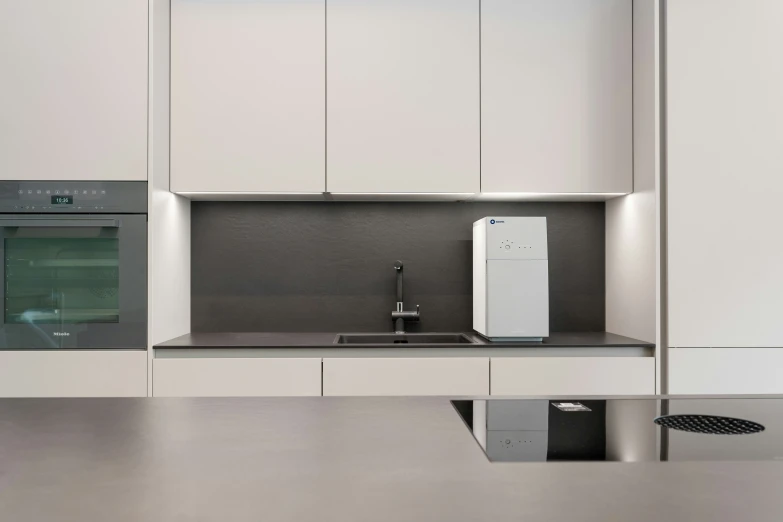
329	459
326	340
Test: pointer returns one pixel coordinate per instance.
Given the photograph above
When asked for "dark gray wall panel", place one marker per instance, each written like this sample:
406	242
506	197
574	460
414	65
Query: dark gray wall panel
260	266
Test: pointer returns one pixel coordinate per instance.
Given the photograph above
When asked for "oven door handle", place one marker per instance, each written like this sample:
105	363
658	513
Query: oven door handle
57	222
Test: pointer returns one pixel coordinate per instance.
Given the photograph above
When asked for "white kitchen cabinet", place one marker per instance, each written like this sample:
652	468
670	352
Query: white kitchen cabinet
248	96
73	373
73	95
556	96
725	180
403	96
705	371
572	375
406	376
236	377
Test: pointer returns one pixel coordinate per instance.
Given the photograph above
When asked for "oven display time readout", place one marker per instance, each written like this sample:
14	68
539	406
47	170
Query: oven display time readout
62	200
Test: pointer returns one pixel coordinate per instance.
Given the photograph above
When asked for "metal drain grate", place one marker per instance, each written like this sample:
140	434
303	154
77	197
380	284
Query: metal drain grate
709	424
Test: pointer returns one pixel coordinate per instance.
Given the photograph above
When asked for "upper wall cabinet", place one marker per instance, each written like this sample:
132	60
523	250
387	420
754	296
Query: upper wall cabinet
725	175
247	96
403	96
556	96
73	94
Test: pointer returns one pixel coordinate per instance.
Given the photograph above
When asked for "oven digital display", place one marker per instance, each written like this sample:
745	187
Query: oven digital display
62	200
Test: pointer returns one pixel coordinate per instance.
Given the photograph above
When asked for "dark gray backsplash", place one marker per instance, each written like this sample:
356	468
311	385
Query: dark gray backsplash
304	267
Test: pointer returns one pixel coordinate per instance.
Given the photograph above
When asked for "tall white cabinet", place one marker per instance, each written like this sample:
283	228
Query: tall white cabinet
402	96
248	96
73	94
725	185
556	96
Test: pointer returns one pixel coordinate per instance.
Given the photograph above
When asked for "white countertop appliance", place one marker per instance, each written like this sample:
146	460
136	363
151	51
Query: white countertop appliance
511	278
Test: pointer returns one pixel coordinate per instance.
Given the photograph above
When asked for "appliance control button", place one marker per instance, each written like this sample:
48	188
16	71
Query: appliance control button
508	247
21	191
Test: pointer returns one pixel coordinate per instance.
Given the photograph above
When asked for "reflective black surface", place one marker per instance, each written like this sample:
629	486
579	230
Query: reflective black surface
625	430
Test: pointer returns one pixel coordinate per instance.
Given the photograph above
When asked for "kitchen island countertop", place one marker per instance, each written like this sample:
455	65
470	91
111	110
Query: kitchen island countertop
329	459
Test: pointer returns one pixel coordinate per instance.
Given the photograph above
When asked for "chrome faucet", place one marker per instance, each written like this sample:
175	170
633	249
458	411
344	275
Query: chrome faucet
399	315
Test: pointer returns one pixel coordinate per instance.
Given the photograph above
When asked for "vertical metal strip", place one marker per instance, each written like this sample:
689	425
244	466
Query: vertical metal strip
663	349
326	98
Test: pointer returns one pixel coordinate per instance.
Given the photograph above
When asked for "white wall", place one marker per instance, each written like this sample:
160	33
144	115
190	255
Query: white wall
169	214
632	221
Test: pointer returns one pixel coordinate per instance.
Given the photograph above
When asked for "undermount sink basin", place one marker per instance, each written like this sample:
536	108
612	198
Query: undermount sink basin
408	338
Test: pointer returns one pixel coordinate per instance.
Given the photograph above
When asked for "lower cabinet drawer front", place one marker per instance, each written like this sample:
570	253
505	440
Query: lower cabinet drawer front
736	371
400	376
573	376
73	373
236	377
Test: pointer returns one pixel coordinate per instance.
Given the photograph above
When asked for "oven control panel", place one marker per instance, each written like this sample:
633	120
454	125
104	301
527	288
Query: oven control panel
66	197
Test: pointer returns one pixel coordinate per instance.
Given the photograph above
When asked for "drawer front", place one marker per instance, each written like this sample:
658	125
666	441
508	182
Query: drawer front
73	373
573	376
419	376
725	371
236	377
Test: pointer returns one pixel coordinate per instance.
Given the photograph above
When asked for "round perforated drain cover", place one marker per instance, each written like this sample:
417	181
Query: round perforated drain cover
709	424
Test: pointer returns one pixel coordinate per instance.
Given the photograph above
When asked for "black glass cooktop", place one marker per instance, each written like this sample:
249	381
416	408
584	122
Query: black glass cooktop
626	430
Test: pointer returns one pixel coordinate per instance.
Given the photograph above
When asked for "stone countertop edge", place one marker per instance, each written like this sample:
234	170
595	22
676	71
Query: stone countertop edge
326	340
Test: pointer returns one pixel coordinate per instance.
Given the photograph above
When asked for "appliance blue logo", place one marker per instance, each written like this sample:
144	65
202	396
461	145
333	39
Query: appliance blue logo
492	221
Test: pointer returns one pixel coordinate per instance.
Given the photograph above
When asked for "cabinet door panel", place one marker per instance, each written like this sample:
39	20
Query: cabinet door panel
415	376
573	375
212	377
556	96
73	94
403	96
724	173
247	96
73	373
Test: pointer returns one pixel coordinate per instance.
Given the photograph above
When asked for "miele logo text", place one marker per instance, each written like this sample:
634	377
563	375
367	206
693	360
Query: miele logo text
493	221
62	334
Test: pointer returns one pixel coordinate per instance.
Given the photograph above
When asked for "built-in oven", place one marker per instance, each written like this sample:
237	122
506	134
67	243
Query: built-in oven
74	265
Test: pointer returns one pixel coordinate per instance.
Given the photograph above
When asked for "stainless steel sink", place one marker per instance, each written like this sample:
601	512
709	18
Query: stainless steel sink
407	338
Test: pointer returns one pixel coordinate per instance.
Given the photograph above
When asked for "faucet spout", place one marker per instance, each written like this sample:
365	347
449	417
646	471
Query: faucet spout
399	315
398	268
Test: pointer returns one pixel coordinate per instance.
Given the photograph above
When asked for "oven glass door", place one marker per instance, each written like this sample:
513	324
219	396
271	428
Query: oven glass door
73	282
